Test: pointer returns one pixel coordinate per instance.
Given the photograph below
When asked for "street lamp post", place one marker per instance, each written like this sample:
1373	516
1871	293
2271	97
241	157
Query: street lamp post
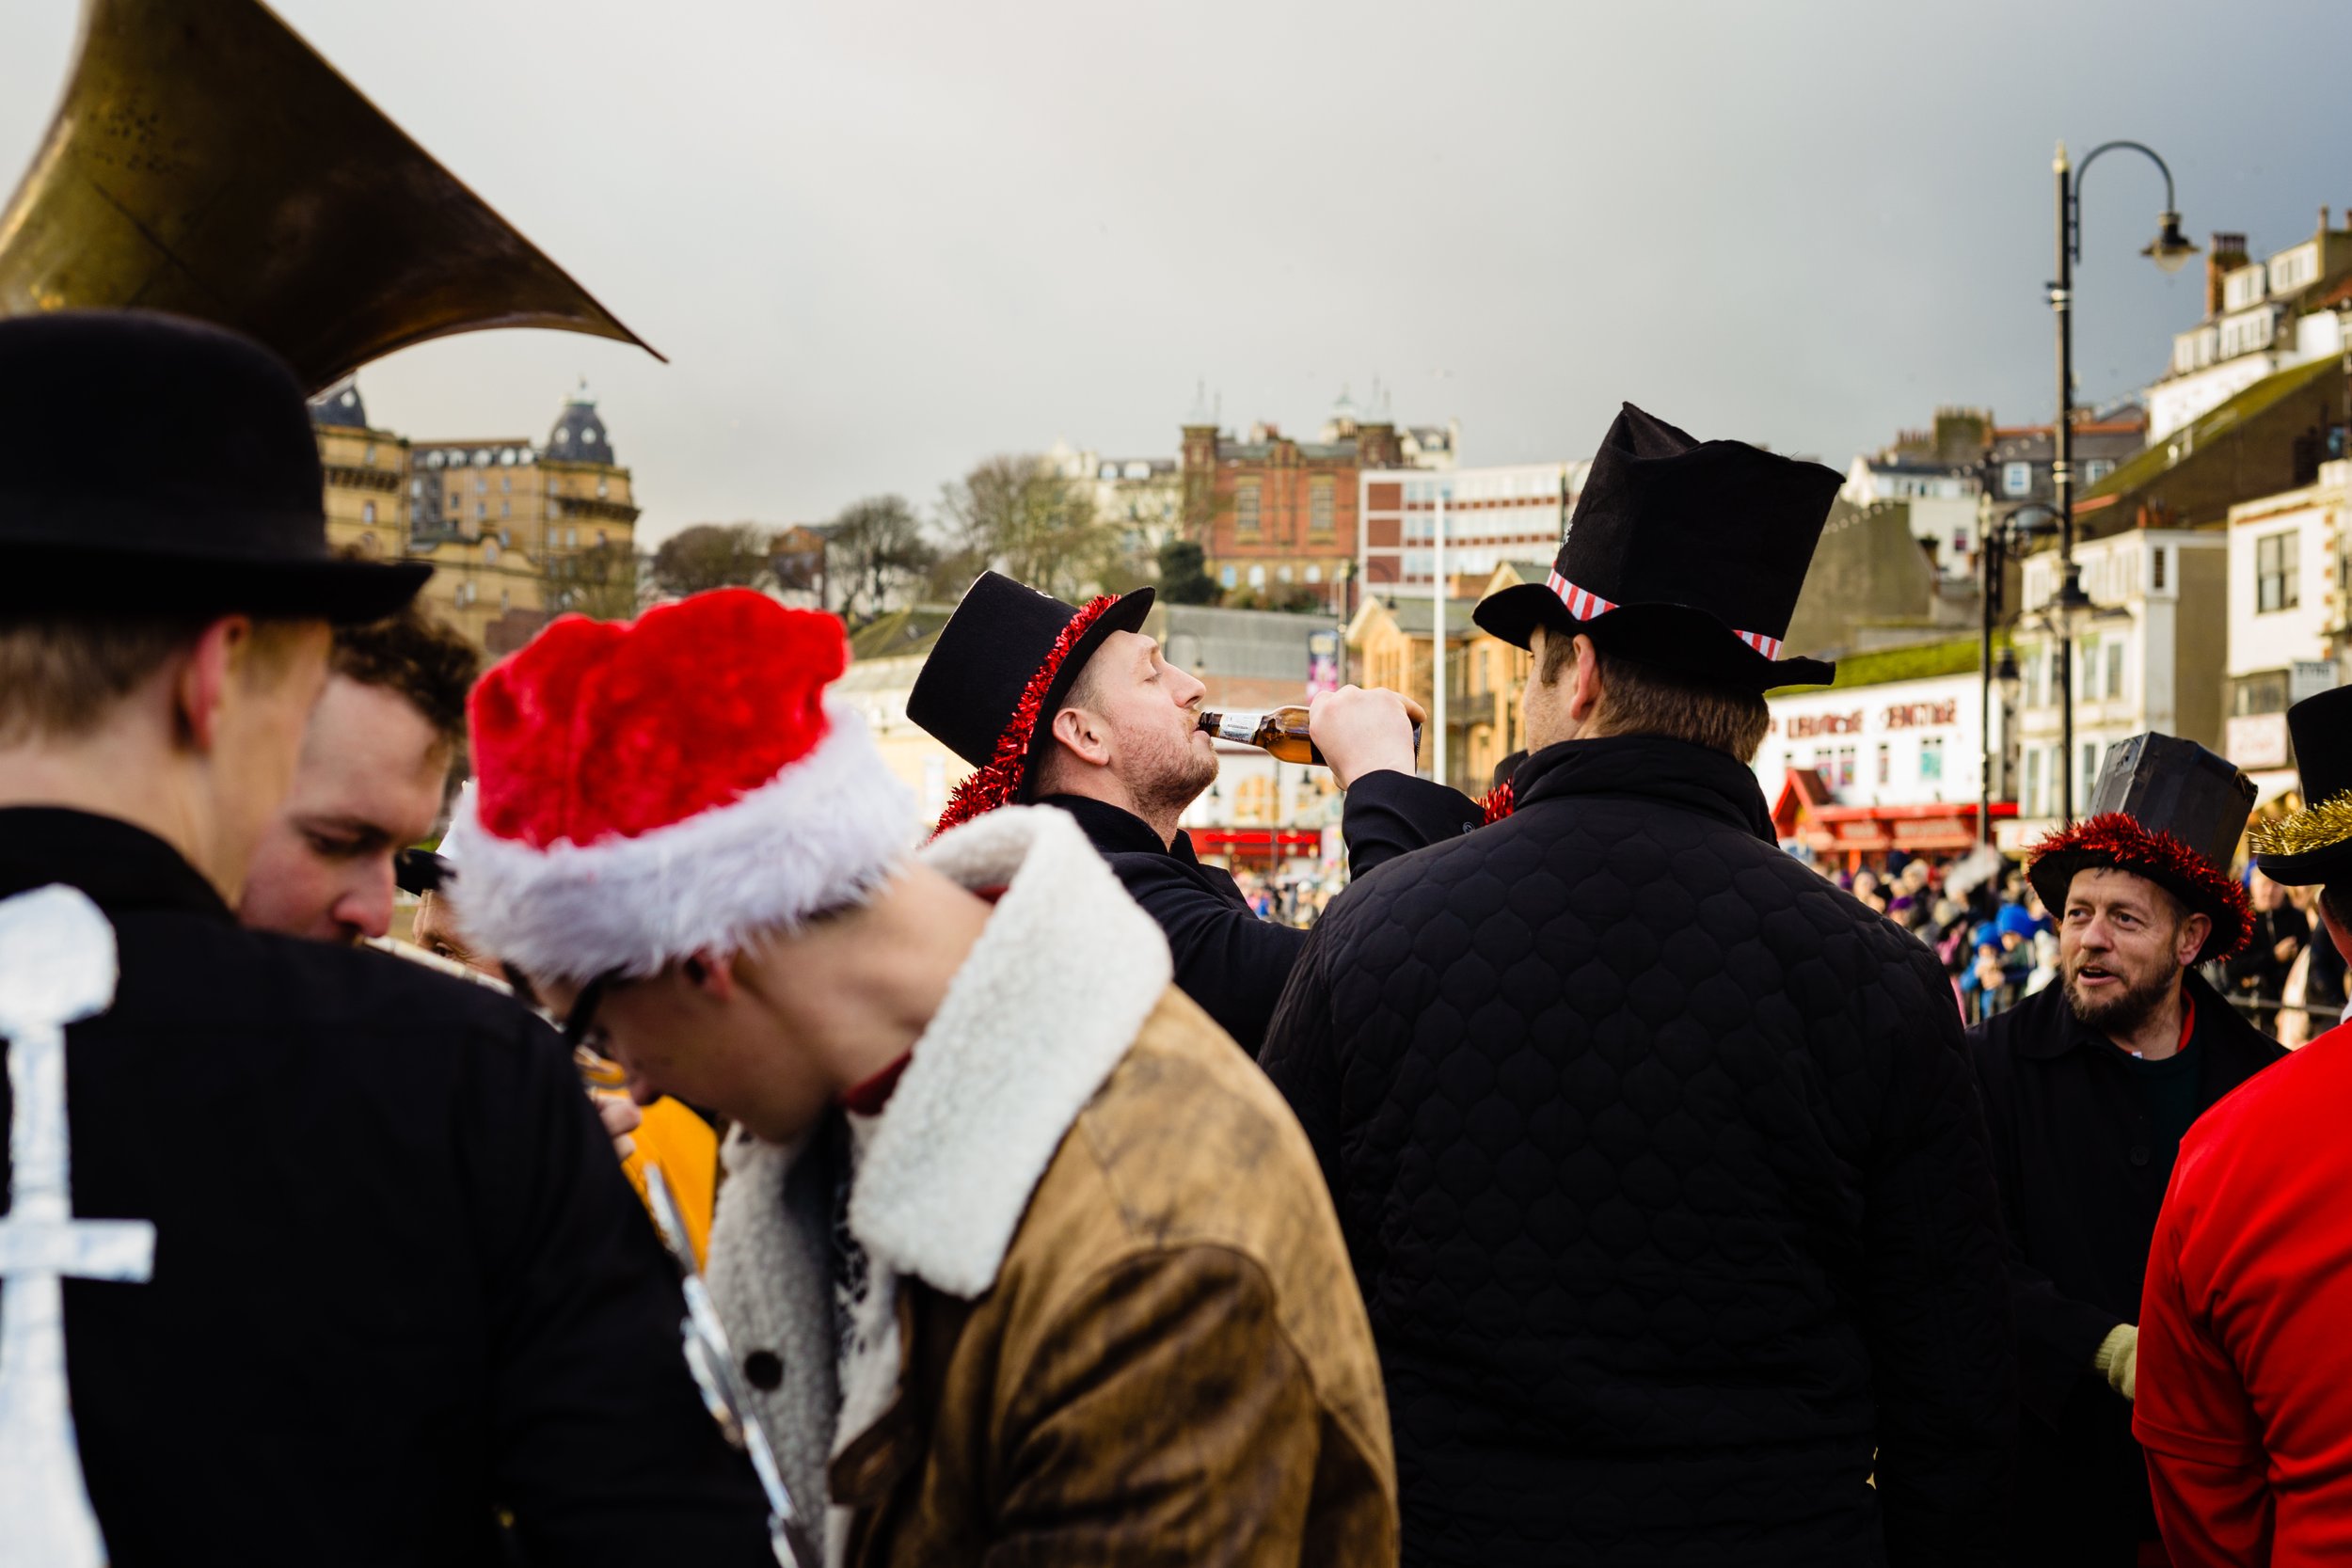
1997	539
2170	250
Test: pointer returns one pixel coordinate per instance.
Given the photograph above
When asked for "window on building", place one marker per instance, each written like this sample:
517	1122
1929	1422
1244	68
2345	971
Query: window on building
1226	577
2252	696
1281	574
1314	573
1257	577
2097	468
506	600
604	488
506	509
2032	792
1932	760
2017	479
2115	670
2088	771
2275	586
490	553
367	512
368	458
1887	764
1246	508
2156	567
1320	508
506	482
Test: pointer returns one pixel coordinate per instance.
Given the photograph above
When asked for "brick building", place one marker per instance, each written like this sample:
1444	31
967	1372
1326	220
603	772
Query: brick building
1276	517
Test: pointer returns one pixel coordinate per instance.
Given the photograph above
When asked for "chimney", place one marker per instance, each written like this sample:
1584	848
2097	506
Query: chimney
2323	220
2226	254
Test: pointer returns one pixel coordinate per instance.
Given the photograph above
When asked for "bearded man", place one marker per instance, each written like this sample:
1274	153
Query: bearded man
2087	1087
1076	708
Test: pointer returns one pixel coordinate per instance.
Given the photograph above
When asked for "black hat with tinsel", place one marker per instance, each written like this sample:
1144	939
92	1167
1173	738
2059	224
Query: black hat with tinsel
2314	845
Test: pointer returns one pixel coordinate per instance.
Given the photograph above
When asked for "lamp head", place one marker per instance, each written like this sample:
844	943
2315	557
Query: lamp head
2004	672
2170	249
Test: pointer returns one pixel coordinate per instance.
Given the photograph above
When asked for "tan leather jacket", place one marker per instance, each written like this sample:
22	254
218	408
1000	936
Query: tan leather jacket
1160	1356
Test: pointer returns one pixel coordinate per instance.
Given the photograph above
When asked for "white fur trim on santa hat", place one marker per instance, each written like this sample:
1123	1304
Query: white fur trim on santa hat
824	832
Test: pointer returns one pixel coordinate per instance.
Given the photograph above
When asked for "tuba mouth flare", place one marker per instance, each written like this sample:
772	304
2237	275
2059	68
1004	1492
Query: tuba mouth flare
205	161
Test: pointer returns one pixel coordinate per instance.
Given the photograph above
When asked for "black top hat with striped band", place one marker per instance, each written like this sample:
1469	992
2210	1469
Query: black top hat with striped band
1682	553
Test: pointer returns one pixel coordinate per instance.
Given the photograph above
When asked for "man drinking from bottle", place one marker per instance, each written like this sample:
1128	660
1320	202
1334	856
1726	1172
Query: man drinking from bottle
1076	708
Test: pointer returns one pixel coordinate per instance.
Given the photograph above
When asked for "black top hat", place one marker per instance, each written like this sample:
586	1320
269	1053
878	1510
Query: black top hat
997	675
2314	845
150	464
1683	553
2168	810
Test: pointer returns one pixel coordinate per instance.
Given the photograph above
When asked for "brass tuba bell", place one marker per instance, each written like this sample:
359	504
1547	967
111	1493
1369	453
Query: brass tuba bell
206	161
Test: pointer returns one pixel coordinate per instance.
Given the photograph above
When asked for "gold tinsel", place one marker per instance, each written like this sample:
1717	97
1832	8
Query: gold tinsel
2319	827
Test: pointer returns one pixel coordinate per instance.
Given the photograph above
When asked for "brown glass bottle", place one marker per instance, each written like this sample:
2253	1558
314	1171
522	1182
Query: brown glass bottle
1279	732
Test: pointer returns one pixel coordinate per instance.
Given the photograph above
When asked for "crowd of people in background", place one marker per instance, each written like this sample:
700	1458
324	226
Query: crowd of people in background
2000	946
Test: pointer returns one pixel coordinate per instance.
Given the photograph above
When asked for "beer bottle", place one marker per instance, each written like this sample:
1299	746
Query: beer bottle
1279	732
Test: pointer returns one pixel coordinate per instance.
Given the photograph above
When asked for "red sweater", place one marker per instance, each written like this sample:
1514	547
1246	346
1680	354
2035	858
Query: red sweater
2245	1404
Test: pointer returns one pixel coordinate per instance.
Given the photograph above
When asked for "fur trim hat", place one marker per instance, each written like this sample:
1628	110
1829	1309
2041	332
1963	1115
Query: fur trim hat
647	790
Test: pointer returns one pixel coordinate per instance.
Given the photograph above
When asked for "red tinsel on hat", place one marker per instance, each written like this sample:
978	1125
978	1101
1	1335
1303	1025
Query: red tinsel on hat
2114	839
1497	805
999	783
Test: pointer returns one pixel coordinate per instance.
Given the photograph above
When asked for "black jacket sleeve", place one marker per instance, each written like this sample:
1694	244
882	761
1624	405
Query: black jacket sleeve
2057	1335
601	1445
1935	1310
1228	959
1390	814
1301	1056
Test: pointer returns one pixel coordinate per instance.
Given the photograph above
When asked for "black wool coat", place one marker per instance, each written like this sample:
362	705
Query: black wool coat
400	1283
1662	1173
2082	1176
1228	959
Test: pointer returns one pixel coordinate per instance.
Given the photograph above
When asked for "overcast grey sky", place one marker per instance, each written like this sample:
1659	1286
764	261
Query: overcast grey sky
879	241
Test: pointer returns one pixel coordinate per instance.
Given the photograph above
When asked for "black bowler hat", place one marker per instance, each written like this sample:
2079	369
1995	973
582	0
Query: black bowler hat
2168	810
150	464
997	675
1682	553
2314	845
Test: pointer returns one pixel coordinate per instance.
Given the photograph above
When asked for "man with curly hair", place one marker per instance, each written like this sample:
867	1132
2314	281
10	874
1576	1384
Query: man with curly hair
2088	1086
376	763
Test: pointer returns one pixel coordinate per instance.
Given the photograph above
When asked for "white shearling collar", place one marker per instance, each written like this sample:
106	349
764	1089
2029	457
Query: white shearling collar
1053	994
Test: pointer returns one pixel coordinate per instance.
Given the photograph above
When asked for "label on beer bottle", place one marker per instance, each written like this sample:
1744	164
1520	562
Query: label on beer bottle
1236	727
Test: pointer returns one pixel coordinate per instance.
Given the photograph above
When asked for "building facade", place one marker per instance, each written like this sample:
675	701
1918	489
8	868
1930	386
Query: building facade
2286	618
2261	317
2149	655
367	476
1876	764
1276	517
1491	515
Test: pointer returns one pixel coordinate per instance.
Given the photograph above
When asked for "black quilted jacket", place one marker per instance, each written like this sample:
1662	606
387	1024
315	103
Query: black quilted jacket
1664	1177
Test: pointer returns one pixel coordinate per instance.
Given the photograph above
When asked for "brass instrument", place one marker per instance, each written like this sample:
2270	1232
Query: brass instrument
206	161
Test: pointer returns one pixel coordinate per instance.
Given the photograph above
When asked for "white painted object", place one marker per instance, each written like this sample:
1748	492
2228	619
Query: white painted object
57	967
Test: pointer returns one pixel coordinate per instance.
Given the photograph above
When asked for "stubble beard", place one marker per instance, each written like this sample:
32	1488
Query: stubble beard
1174	782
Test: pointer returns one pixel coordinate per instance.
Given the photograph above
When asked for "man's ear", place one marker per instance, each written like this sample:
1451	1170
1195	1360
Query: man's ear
710	973
2188	938
1584	685
1077	730
203	680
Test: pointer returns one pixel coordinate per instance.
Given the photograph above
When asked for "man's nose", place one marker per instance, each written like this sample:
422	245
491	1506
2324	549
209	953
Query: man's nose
1188	690
366	905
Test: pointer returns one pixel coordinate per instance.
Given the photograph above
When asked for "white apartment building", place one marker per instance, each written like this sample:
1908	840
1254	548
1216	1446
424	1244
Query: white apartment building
2284	606
2147	656
1492	516
2260	318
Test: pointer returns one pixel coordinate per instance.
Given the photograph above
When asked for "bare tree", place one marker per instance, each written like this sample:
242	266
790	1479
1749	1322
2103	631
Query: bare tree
601	582
874	549
712	555
1016	515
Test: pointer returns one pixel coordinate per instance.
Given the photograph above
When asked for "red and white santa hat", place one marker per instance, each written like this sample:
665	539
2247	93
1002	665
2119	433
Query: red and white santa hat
647	790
